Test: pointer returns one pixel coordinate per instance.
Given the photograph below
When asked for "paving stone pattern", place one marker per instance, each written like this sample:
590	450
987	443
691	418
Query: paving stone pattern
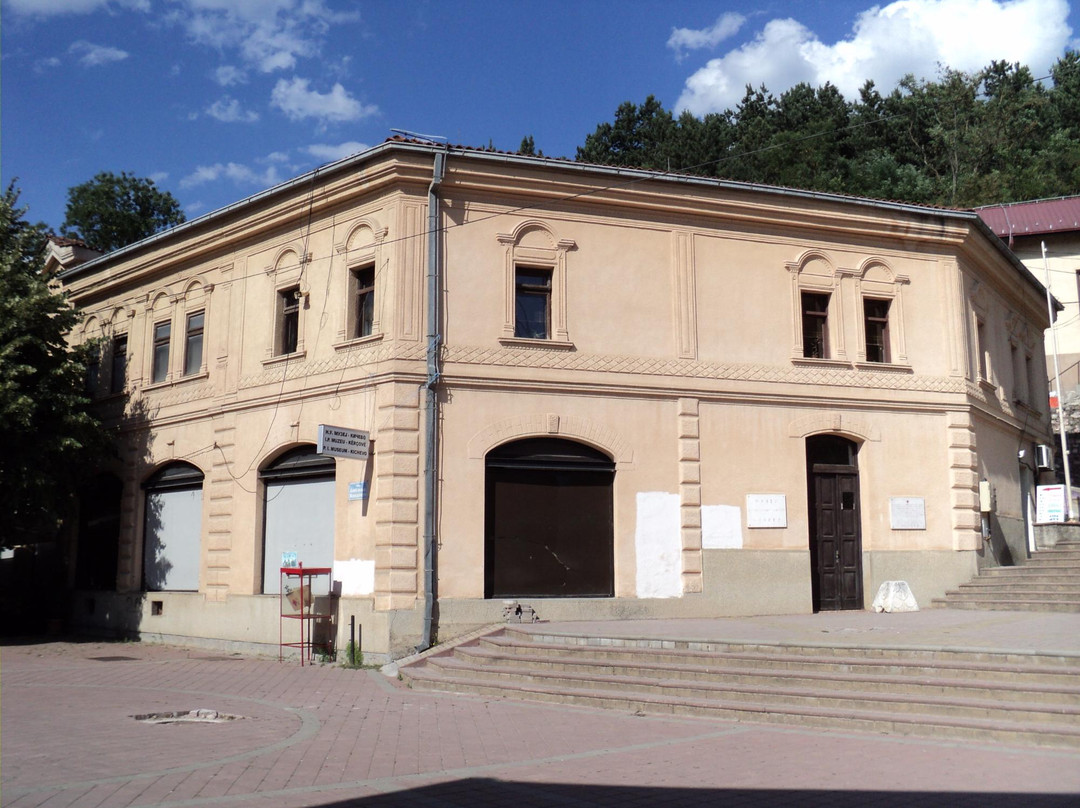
328	736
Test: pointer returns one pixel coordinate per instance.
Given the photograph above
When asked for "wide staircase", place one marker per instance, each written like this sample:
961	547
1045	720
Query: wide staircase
1027	699
1048	582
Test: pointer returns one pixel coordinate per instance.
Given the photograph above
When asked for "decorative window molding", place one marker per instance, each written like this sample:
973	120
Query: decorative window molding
533	245
362	249
981	356
816	274
876	280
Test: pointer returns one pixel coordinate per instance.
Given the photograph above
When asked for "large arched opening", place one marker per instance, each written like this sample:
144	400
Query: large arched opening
549	529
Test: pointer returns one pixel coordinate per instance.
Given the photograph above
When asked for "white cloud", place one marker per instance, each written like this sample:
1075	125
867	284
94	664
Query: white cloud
267	35
46	63
228	110
91	55
159	177
887	42
228	75
329	153
684	39
236	172
298	102
52	8
277	157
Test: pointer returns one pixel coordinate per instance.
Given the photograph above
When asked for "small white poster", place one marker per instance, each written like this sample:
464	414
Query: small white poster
1050	503
907	513
766	510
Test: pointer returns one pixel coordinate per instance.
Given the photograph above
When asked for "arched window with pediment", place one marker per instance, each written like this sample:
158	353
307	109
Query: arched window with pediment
534	262
817	309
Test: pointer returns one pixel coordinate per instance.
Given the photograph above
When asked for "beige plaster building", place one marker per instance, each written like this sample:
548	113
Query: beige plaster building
636	395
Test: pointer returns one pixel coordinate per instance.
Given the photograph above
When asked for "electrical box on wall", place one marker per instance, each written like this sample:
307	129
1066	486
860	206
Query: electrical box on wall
1044	457
986	497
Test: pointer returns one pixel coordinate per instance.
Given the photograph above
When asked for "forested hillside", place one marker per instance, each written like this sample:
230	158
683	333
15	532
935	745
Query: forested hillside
962	140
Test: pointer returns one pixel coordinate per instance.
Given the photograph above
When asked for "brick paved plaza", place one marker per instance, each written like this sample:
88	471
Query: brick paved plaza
330	736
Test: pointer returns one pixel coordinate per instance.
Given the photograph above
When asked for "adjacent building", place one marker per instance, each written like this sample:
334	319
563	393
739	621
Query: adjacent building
600	392
1028	227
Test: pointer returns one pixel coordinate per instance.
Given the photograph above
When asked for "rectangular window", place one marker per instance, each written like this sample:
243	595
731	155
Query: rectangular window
981	351
193	343
532	304
288	320
815	325
876	317
363	312
118	378
160	368
93	372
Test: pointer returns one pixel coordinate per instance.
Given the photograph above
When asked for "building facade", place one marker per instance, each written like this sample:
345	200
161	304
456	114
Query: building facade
604	393
1054	223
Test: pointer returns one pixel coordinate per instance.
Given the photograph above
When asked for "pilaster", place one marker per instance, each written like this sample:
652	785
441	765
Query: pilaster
963	481
397	497
690	493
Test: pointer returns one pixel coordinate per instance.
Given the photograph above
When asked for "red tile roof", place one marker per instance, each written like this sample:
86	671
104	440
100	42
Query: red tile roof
1033	218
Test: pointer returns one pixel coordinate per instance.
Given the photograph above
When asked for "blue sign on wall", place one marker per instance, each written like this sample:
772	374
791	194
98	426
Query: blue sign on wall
358	491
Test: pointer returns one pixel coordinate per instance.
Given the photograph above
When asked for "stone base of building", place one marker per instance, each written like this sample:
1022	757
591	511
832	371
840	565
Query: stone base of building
737	583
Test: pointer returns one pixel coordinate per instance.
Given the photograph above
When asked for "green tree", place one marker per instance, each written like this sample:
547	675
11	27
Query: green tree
48	434
111	211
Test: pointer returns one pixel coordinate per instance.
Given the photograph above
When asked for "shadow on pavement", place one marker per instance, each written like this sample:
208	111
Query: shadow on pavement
486	792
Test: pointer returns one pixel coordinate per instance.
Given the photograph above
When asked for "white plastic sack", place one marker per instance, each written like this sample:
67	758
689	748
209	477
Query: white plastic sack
895	596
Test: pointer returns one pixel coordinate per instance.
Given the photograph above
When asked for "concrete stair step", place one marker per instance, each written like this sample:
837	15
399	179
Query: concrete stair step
1022	589
875	720
1009	605
789	695
1033	578
985	668
1025	574
1015	690
1037	584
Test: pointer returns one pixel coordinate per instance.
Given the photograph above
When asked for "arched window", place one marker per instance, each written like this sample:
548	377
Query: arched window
298	490
172	546
549	529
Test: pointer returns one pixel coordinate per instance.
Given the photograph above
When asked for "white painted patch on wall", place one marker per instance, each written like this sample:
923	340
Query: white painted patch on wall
658	545
721	527
357	576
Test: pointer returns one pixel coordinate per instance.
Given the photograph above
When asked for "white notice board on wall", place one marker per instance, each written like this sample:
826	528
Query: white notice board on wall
766	510
907	513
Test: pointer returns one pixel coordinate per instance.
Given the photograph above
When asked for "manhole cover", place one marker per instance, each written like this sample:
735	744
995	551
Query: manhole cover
202	716
114	658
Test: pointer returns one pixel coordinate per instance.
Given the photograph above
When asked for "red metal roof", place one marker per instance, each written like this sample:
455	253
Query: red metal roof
1033	218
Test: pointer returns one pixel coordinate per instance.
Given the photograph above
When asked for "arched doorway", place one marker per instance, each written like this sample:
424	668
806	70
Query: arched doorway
298	517
172	545
832	475
98	540
549	528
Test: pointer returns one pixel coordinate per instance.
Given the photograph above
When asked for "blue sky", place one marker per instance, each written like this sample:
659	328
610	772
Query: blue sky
219	99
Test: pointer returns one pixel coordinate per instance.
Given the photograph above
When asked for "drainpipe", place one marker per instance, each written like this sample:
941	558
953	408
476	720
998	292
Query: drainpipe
431	404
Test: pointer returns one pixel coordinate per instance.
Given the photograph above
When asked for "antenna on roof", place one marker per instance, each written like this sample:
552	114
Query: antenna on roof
418	136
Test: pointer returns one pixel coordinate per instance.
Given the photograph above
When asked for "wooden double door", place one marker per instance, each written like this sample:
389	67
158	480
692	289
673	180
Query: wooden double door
835	520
